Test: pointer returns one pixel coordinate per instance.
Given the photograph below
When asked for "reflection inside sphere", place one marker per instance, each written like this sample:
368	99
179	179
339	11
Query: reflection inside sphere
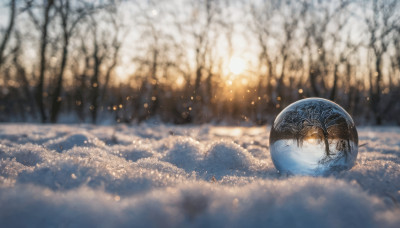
313	136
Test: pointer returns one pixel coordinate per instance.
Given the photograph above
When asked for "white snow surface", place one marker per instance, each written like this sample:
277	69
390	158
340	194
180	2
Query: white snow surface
185	176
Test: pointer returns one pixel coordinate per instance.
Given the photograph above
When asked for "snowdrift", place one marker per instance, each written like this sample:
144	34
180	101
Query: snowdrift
193	176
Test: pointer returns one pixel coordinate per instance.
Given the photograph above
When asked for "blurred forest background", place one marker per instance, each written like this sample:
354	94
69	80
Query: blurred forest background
196	61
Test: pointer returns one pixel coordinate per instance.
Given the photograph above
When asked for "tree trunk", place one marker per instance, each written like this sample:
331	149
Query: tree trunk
335	79
198	80
43	46
108	74
281	78
56	103
8	32
376	92
313	80
95	83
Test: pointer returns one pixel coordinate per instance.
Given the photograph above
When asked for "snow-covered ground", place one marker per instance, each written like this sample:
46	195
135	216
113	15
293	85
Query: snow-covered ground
191	176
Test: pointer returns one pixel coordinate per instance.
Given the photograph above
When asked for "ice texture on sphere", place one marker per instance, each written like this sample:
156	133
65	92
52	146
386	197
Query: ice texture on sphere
313	136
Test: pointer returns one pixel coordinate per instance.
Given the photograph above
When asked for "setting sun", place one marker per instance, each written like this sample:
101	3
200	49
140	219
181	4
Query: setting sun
237	65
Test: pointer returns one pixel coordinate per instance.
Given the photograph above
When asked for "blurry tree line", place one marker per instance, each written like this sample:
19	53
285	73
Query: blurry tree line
128	61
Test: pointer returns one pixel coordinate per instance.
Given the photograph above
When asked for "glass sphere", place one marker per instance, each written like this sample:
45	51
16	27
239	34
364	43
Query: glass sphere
313	136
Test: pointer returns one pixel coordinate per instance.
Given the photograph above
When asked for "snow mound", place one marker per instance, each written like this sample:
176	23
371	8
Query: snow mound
71	140
133	152
224	157
185	153
26	156
193	176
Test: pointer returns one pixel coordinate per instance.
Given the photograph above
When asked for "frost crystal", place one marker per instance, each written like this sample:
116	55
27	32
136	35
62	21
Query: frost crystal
315	137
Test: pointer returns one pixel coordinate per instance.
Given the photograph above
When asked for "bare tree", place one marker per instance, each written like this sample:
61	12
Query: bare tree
290	24
8	31
69	18
317	19
260	24
43	27
200	27
98	56
21	74
381	24
179	53
200	23
116	45
81	77
349	48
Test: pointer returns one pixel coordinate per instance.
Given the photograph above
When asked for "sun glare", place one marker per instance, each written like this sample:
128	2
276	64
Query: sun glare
122	74
237	65
180	81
